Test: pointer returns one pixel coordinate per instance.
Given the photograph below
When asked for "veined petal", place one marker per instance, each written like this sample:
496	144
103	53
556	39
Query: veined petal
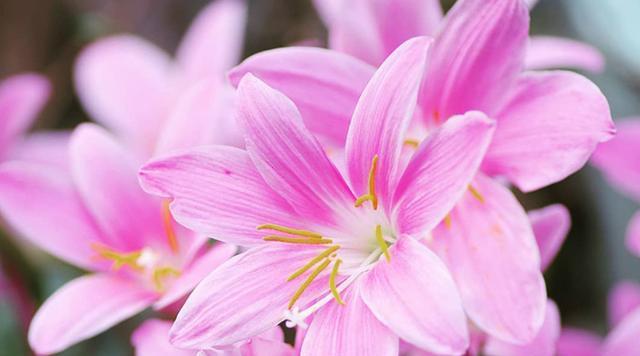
546	52
491	251
633	235
217	192
152	339
381	118
624	298
349	329
440	172
550	225
213	43
548	129
415	297
623	340
67	317
325	85
577	342
288	156
477	55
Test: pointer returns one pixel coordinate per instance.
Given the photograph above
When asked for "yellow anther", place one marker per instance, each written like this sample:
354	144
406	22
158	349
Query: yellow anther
168	226
119	259
161	273
324	254
476	194
332	282
308	282
371	196
447	221
382	243
412	142
289	230
297	240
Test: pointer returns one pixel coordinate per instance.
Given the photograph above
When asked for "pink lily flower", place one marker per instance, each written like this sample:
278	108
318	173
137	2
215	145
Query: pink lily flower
344	251
548	124
152	339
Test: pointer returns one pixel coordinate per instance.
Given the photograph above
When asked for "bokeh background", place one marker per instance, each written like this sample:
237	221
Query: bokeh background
45	36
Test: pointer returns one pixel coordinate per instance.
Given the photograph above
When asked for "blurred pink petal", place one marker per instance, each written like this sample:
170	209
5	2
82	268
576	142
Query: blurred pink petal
633	235
152	339
623	339
555	52
623	299
47	147
550	225
578	342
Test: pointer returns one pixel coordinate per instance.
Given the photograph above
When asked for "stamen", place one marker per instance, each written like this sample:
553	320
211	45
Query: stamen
320	257
371	196
295	240
160	273
476	194
289	230
332	282
119	259
447	221
308	282
168	226
382	243
412	142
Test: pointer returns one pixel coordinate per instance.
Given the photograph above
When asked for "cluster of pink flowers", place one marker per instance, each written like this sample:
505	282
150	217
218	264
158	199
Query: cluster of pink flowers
358	193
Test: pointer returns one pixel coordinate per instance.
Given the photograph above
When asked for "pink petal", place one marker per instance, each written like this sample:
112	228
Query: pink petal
415	297
619	159
476	56
633	235
556	52
348	329
381	118
36	197
152	339
217	192
544	344
68	317
623	340
577	342
548	129
48	147
21	99
287	155
123	82
624	298
491	251
440	172
213	43
195	272
244	297
105	175
550	225
331	76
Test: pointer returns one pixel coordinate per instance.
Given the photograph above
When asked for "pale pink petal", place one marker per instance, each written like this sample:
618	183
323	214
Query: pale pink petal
22	97
123	82
633	235
213	43
546	52
217	192
548	129
325	85
415	296
619	159
623	299
35	198
262	347
491	251
544	344
349	329
84	308
195	272
623	340
287	155
578	342
48	147
244	297
152	339
328	10
440	172
531	3
105	175
550	225
381	118
476	56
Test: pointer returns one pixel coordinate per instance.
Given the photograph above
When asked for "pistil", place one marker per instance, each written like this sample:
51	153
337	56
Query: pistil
382	243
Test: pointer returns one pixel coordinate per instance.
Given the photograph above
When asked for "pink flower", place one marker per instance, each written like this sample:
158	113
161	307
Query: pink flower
345	251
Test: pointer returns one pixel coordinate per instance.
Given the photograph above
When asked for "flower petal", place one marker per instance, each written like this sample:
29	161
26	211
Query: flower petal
623	299
633	235
491	251
550	225
548	129
577	342
348	329
244	297
335	79
217	192
476	56
440	172
123	83
152	339
623	340
382	116
67	317
287	155
415	297
47	147
545	52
